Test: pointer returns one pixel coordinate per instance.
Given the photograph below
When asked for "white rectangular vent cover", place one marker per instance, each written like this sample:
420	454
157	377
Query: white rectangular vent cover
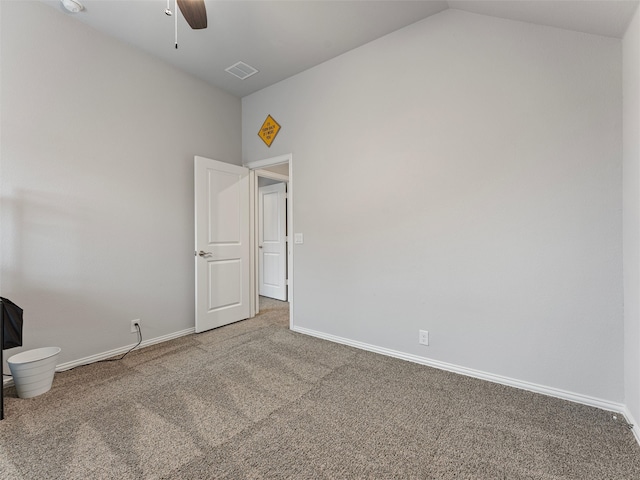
241	70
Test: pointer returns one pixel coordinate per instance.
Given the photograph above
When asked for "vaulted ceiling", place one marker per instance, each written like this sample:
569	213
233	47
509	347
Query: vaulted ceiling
282	38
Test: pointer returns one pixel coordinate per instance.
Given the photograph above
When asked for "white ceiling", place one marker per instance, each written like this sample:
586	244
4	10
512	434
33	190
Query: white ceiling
282	38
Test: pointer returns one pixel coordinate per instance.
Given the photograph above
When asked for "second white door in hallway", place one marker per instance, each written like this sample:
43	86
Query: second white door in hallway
272	242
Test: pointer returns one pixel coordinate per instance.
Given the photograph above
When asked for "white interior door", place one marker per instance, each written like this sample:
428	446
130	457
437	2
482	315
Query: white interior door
222	243
272	241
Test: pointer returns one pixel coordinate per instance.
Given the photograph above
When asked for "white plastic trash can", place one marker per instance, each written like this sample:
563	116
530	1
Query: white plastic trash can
33	370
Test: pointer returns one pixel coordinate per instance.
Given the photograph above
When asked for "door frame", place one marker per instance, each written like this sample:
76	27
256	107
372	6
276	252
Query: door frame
254	172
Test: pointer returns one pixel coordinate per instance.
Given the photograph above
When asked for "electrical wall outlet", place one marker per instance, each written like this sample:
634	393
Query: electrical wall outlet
135	322
423	337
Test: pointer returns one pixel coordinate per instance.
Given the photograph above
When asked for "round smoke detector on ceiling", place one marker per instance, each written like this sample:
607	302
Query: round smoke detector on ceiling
72	6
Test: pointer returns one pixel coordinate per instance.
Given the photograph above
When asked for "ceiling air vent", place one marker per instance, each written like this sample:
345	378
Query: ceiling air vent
241	70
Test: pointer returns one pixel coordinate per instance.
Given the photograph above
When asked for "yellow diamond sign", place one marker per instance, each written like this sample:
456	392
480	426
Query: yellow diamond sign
269	130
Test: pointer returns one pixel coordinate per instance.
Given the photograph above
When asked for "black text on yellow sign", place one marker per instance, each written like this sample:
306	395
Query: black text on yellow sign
269	130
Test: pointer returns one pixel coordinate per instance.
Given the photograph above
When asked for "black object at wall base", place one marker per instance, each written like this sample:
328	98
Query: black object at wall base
10	336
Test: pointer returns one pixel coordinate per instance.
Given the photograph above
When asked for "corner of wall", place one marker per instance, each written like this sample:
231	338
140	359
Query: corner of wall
631	218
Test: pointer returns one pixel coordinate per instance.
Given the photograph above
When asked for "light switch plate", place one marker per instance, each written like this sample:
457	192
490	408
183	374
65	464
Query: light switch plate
298	238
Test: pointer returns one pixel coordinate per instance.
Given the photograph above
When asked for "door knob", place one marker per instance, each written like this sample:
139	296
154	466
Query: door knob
260	246
203	253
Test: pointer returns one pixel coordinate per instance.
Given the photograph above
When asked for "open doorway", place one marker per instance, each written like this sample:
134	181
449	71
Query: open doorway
272	235
272	220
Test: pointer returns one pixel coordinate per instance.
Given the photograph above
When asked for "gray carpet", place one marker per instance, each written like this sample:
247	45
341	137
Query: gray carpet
254	400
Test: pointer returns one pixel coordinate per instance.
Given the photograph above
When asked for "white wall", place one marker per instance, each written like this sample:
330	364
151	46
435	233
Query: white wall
97	153
631	210
479	197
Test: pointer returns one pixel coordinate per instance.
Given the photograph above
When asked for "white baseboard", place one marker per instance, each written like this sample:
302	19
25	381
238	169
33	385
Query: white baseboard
532	387
490	377
635	428
118	351
112	353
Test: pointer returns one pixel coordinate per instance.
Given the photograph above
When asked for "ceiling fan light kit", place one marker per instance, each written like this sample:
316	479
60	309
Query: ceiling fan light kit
72	6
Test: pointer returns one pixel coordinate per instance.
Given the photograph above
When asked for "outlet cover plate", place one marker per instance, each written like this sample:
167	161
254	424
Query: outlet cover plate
133	325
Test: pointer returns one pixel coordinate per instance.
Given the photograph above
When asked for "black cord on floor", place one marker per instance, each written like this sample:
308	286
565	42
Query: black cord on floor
127	352
115	359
